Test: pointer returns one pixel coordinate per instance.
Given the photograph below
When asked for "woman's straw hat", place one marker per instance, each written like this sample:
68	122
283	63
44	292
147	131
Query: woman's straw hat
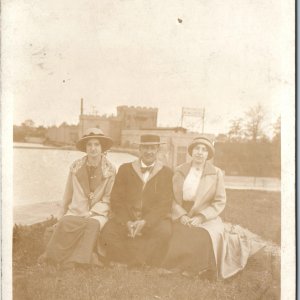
205	141
94	133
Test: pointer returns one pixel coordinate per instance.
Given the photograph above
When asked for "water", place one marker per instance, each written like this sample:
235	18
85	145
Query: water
30	145
40	174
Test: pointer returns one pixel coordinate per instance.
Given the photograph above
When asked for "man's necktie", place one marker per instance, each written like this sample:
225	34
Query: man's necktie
145	169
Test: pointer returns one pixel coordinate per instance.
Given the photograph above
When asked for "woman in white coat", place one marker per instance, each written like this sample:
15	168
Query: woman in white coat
201	244
85	205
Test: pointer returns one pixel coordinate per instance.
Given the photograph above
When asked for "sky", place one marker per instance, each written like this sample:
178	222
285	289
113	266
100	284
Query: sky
225	56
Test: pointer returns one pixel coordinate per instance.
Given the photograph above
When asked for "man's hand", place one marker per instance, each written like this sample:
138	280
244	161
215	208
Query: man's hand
135	228
139	225
130	228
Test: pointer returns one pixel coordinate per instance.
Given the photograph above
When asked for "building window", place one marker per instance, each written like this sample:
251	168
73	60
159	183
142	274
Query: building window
181	155
181	149
181	158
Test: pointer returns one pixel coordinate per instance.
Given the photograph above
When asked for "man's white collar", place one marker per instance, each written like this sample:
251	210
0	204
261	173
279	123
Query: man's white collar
145	166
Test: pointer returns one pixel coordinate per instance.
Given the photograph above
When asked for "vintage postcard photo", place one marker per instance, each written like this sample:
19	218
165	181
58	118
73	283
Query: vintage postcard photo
148	149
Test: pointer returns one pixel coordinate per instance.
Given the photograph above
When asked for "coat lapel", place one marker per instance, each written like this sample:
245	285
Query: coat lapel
83	179
207	181
137	168
104	170
156	168
184	169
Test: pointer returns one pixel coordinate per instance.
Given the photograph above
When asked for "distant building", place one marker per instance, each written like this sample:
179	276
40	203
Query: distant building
125	129
128	117
110	126
177	139
137	117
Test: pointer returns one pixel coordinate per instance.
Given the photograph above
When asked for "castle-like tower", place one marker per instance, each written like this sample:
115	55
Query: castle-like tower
128	117
137	117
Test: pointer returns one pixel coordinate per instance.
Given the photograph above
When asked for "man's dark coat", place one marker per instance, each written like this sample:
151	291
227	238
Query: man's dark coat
132	199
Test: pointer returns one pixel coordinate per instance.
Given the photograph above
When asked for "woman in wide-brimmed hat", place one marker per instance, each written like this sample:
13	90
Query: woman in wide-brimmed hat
201	243
85	205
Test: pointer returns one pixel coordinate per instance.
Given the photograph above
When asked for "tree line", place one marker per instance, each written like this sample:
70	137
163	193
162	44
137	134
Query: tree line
246	150
26	129
252	127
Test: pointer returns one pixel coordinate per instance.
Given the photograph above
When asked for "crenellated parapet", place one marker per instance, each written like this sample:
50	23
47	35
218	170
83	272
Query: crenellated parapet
128	117
136	108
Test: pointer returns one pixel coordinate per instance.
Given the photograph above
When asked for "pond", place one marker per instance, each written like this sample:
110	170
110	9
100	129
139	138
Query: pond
40	174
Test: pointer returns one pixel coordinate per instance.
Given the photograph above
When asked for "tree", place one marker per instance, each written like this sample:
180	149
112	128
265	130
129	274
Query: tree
41	131
277	131
236	133
28	123
27	127
254	122
18	134
221	137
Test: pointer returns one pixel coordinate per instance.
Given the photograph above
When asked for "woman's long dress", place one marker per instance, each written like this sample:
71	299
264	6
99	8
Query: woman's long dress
214	245
190	248
75	237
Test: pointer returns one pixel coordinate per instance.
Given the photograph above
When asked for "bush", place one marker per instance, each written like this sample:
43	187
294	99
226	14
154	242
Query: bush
28	243
249	159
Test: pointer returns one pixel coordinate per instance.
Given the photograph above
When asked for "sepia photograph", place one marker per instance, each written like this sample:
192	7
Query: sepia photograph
148	149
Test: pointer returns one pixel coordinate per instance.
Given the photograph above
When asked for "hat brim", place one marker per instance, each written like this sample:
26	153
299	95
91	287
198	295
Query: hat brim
210	148
105	142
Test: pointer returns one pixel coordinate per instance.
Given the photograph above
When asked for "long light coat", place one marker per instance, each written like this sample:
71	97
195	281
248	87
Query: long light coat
232	245
78	199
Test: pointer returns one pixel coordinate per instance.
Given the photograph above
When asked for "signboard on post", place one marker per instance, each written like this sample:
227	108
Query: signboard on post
192	112
198	113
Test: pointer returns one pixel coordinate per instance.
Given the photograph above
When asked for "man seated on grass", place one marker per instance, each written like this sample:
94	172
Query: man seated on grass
141	200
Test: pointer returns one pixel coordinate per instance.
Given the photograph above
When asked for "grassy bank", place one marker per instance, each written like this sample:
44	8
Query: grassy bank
257	211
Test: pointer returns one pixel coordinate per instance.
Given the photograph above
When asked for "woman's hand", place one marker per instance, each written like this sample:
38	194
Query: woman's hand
196	221
92	214
184	220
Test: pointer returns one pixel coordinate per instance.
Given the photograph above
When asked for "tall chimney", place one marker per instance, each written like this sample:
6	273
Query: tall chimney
81	106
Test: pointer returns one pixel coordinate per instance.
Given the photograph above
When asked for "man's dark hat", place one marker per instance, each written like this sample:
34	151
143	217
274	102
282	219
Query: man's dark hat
94	133
150	139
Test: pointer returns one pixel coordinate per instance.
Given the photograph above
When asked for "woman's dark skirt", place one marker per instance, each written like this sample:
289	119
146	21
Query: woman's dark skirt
74	240
190	249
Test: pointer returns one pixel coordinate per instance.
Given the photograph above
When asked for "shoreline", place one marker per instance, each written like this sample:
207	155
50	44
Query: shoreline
30	214
131	151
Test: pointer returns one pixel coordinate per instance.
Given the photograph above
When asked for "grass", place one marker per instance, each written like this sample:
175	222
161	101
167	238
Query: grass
257	211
